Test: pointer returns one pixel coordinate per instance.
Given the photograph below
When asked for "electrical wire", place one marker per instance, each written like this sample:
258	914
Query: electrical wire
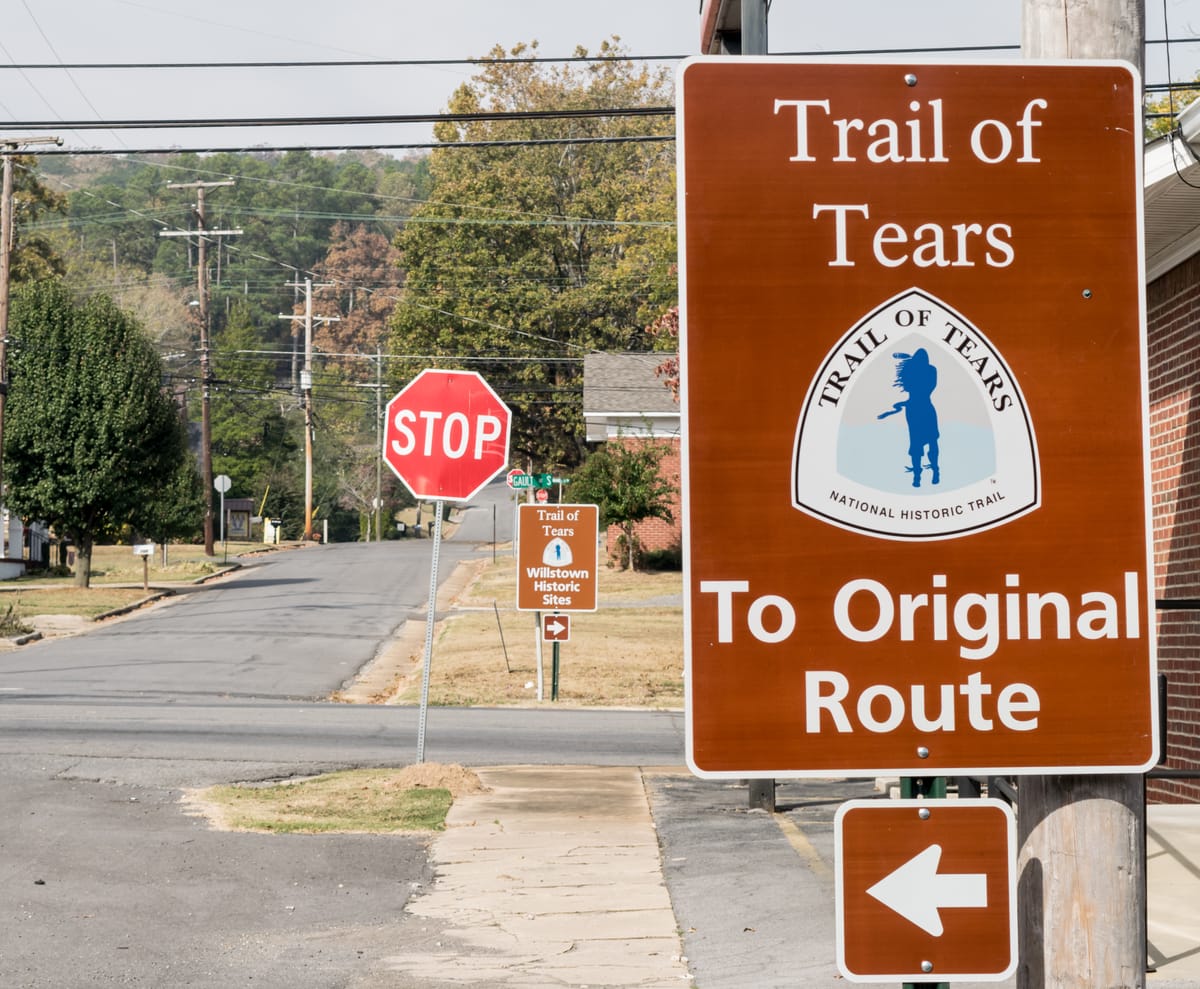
366	63
482	116
483	60
371	146
69	74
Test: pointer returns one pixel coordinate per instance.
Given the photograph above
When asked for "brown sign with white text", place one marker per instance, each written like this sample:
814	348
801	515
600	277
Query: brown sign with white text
557	557
915	418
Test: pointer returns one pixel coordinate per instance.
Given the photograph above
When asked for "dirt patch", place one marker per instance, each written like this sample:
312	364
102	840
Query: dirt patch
449	776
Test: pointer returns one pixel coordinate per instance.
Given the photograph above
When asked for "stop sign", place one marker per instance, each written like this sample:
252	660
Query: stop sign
446	435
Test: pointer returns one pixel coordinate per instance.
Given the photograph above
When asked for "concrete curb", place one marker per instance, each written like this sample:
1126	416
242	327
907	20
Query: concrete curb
157	595
226	568
133	605
165	592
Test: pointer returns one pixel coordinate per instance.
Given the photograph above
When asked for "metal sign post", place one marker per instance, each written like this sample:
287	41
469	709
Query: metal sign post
222	483
429	619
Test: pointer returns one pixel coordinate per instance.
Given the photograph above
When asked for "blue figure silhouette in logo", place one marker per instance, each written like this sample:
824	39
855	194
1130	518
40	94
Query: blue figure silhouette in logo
916	376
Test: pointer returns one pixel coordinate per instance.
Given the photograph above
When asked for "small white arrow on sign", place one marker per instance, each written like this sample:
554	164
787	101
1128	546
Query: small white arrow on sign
554	626
916	891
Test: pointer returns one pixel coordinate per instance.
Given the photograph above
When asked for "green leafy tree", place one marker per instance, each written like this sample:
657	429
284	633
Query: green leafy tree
90	437
527	256
176	509
253	440
624	479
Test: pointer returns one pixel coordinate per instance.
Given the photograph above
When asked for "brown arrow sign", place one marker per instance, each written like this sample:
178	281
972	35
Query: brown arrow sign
556	628
926	890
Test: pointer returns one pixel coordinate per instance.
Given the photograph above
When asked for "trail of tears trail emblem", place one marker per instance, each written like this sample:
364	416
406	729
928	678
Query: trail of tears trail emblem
914	427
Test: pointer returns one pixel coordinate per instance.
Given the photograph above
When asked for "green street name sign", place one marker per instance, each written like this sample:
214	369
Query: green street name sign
532	480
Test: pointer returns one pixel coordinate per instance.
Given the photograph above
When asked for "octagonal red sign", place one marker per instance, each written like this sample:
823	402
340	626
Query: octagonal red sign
446	435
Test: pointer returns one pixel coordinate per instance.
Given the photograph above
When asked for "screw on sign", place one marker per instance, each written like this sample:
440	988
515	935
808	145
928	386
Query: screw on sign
446	435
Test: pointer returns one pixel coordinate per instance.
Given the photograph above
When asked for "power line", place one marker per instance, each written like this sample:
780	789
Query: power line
375	145
367	63
371	146
483	116
371	63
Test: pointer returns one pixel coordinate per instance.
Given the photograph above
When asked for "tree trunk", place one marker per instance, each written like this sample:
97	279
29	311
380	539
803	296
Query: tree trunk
83	563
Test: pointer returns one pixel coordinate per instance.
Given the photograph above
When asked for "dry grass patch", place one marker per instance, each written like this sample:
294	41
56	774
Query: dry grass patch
413	798
87	602
119	565
619	656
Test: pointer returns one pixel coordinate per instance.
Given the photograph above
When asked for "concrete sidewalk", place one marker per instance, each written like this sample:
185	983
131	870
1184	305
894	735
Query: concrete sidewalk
552	878
586	876
1173	880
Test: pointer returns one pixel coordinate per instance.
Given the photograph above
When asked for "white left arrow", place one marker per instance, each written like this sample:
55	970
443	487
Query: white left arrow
916	891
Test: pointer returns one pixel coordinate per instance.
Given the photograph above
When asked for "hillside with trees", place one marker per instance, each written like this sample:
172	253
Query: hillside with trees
514	248
328	218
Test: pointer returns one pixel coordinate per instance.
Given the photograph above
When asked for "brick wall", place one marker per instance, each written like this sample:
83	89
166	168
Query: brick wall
654	534
1173	310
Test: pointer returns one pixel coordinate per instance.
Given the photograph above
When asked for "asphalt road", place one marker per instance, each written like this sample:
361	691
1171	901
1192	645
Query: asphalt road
106	880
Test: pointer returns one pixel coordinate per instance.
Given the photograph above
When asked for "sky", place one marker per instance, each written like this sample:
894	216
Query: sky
70	32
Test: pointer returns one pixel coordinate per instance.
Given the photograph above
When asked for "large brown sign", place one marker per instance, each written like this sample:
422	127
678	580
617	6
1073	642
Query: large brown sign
915	422
926	890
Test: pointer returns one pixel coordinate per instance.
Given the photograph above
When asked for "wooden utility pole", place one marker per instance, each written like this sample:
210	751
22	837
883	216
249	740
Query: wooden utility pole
11	146
1057	29
306	396
1082	864
205	364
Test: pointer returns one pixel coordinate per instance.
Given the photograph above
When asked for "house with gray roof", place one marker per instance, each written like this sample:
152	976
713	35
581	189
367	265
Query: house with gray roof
623	395
626	400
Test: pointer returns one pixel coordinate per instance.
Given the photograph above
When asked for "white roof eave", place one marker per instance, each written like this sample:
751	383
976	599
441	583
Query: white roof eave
1172	204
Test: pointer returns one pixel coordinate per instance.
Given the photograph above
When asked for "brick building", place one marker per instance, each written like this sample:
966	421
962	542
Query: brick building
1172	196
626	401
